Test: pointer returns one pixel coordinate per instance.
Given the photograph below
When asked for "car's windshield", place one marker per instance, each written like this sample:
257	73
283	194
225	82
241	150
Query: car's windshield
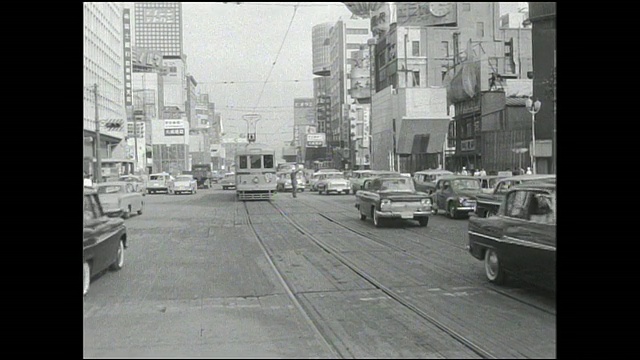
109	189
466	184
397	185
184	178
156	177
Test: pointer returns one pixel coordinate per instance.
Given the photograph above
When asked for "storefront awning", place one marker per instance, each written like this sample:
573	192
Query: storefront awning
422	136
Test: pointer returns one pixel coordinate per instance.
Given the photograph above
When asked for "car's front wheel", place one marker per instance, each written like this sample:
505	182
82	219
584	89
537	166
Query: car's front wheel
452	210
376	219
423	221
363	217
492	267
127	212
86	278
119	263
141	206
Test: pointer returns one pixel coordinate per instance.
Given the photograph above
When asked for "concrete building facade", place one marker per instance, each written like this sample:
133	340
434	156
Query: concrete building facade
103	65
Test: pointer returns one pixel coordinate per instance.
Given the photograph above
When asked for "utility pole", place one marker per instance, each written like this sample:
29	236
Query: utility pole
98	168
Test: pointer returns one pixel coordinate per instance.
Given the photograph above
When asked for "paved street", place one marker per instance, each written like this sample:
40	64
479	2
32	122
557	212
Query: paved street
197	283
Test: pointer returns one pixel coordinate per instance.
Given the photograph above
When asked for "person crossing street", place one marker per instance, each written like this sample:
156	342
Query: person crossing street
294	180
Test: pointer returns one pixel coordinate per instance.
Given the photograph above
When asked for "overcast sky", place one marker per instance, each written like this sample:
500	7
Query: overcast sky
239	43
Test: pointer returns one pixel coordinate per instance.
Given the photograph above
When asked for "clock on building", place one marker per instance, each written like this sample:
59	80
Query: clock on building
439	8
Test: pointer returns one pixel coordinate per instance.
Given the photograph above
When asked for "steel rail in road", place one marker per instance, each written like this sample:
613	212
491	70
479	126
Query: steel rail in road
392	294
328	344
378	240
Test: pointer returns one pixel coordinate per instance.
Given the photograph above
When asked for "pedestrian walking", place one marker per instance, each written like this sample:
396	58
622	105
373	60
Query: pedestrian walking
294	180
476	173
529	171
483	173
464	171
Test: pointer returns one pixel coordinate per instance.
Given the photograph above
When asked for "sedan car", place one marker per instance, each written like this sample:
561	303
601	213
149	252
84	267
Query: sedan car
229	181
425	180
138	182
104	239
120	195
488	203
456	194
521	239
284	182
337	184
392	198
182	184
357	181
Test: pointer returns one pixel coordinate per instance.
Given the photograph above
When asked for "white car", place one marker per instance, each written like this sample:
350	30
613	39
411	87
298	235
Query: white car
337	184
183	184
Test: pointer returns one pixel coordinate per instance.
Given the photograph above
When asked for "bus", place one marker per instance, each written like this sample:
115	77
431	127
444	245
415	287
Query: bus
255	172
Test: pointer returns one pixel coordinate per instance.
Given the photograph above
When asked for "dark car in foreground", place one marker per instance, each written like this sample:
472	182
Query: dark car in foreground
387	198
487	204
104	239
521	239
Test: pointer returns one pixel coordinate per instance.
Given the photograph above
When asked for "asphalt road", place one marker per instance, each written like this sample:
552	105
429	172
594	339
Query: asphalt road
197	283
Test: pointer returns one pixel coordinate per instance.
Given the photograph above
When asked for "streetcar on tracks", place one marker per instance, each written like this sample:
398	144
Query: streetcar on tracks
255	172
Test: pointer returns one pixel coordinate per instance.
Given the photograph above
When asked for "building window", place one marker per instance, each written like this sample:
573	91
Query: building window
466	6
480	29
416	78
416	48
357	31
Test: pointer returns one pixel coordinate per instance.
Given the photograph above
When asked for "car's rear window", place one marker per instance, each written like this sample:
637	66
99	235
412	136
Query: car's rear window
156	177
111	189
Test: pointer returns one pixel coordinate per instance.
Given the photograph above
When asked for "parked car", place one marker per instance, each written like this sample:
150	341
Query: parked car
425	180
456	194
158	182
392	198
229	181
182	184
521	239
104	238
137	181
333	184
120	195
358	179
488	203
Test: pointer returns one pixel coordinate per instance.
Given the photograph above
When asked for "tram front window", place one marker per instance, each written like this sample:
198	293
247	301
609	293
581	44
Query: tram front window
256	161
243	162
268	161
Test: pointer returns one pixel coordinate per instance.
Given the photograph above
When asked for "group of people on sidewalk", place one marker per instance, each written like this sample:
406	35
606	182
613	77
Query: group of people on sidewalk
481	172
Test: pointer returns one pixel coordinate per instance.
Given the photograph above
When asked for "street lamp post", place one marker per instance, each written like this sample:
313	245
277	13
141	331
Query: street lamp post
533	108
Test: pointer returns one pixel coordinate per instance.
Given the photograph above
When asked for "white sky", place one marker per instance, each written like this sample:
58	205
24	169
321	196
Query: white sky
229	42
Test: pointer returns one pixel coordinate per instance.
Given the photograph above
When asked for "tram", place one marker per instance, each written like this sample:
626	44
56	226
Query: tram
255	172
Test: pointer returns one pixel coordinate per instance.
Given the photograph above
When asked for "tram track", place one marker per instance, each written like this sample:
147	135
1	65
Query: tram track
331	347
371	237
469	344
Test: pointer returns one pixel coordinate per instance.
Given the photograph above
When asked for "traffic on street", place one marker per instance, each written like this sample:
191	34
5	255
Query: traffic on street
210	276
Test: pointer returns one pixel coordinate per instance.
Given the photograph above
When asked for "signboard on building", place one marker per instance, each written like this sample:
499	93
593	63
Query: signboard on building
144	60
160	16
126	32
304	111
173	132
381	20
426	13
316	140
467	145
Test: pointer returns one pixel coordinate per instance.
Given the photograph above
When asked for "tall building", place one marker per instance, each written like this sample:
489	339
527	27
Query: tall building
321	49
103	66
158	27
346	38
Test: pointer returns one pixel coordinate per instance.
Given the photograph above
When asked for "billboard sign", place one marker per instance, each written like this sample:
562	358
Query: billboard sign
126	32
173	132
145	60
316	140
160	16
425	13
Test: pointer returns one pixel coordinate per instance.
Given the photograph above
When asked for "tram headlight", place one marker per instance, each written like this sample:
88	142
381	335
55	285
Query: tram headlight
256	180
